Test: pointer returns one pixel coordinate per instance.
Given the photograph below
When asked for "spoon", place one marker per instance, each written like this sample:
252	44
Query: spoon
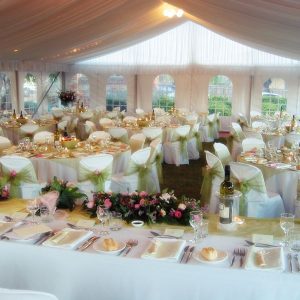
259	244
129	245
163	235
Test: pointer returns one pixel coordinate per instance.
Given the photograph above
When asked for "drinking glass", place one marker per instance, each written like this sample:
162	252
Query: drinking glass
286	223
33	207
103	216
294	239
116	221
196	218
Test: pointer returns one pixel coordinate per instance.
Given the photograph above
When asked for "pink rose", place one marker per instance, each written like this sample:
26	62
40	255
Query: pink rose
177	214
142	202
107	203
143	194
90	204
13	173
137	206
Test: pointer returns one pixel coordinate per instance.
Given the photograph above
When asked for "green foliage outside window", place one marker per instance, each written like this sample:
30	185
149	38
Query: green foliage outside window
220	104
271	104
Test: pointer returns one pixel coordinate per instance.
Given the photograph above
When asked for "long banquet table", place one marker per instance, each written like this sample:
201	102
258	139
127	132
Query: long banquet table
73	275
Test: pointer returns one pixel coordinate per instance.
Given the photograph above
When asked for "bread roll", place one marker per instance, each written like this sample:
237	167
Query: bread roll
209	253
260	259
110	244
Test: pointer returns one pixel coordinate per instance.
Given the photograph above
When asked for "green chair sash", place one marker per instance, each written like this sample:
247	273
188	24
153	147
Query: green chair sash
208	175
26	175
158	163
198	136
210	125
255	183
98	178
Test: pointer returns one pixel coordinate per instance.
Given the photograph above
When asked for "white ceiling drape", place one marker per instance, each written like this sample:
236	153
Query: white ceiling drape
67	31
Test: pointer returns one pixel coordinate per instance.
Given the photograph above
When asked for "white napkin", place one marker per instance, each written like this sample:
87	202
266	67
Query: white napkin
164	249
6	226
273	258
174	232
68	238
27	232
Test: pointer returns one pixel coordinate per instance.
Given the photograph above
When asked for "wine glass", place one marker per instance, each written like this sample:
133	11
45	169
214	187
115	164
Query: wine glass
103	216
196	218
33	207
286	223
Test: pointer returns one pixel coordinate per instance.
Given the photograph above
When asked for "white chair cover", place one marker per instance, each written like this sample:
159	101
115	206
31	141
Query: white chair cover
98	136
113	114
213	175
222	153
4	143
259	125
86	115
19	173
242	120
237	135
256	201
29	129
209	128
194	144
42	137
249	144
89	127
95	173
11	294
106	122
66	118
291	139
140	112
137	176
62	125
175	151
151	133
130	120
57	113
136	142
159	111
119	134
255	115
155	160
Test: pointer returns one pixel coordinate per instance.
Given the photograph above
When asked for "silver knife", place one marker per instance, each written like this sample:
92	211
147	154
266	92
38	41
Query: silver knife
88	243
190	254
184	252
289	256
44	237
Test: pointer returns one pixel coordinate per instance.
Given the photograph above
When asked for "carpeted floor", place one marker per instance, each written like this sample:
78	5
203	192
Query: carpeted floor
186	179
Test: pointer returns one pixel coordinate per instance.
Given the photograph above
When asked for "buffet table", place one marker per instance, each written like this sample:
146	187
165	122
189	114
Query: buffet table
74	275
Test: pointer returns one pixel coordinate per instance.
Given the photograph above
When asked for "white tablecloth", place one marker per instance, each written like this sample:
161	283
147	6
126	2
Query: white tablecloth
73	275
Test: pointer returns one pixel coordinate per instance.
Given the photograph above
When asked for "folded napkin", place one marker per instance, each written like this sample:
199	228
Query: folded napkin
27	232
49	200
6	226
268	259
164	249
68	238
174	232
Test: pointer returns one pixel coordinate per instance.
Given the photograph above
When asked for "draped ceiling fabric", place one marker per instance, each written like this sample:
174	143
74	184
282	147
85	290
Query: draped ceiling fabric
67	31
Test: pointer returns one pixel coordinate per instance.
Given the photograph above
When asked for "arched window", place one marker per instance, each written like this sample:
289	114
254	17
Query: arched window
5	90
274	96
220	95
116	93
80	84
52	96
30	93
163	94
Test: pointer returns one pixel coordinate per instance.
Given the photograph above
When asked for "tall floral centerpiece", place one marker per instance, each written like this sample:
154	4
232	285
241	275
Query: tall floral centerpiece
67	97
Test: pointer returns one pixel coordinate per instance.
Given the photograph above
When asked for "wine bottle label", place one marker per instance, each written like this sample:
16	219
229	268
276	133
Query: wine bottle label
224	212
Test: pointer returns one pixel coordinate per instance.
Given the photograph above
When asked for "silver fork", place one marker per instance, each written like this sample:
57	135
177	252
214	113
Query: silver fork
235	253
242	253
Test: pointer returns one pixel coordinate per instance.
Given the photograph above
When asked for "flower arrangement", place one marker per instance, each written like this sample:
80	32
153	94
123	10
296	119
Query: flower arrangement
150	208
68	193
67	97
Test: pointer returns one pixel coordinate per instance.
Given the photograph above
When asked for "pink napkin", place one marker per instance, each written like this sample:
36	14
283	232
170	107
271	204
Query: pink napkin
49	200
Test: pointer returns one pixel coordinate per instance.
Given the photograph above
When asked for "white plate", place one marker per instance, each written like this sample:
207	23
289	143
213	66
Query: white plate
222	256
98	246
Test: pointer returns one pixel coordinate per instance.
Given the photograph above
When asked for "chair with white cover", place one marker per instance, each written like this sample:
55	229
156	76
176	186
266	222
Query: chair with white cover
4	143
98	136
159	111
57	113
140	112
292	139
249	144
42	137
86	115
255	200
19	173
151	133
62	125
222	153
137	177
209	131
217	125
130	120
255	115
194	143
119	134
213	175
235	140
175	151
28	130
155	160
89	127
95	173
137	142
106	122
12	294
259	125
242	120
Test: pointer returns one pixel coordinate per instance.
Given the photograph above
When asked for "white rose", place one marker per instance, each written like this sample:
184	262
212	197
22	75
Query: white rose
182	206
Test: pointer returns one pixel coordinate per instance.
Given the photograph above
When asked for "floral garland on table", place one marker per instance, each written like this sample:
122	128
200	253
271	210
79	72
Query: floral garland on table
68	193
67	97
150	208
